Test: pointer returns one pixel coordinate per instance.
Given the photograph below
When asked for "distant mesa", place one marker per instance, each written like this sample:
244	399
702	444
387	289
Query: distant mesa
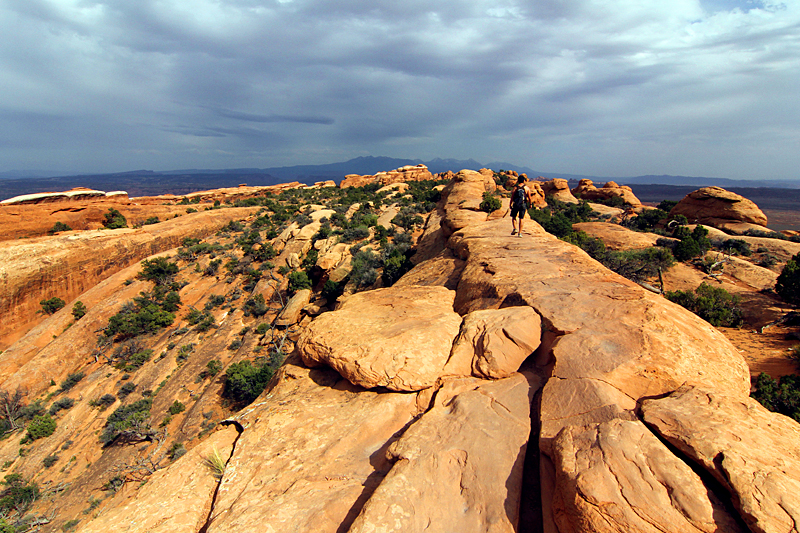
76	194
725	210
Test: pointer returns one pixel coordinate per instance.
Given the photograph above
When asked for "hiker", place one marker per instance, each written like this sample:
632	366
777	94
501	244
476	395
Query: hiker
521	200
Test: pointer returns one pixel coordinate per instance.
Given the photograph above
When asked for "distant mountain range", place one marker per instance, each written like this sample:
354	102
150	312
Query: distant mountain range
151	183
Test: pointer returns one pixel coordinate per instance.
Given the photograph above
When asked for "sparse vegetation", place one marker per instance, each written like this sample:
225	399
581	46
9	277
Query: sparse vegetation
788	284
782	396
128	423
59	226
18	494
71	380
113	219
51	305
713	304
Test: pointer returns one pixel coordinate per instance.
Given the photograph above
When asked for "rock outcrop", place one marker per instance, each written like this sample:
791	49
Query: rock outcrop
586	190
559	189
73	195
721	209
400	175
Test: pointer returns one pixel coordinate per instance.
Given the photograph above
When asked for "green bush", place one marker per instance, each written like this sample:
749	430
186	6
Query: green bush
41	426
692	244
125	390
51	305
71	381
713	304
298	280
490	203
363	267
78	310
113	219
255	306
134	361
176	407
59	226
50	460
244	382
128	422
647	220
146	314
782	396
150	220
788	284
61	405
18	495
736	246
213	368
159	270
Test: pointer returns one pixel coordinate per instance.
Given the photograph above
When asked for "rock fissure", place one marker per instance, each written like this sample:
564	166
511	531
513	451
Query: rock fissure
239	430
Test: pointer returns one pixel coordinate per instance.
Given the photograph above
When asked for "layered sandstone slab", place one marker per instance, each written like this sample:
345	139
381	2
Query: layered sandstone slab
400	175
398	338
310	453
178	498
494	343
617	476
458	468
752	452
717	207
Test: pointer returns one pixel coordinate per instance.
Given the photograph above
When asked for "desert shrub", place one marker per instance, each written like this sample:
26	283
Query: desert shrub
213	267
331	290
767	261
125	390
176	408
713	304
51	305
736	246
60	405
363	267
255	306
133	361
71	380
766	234
145	314
395	262
40	427
490	203
176	451
407	218
638	265
215	300
183	353
103	401
50	460
667	205
647	220
355	234
113	219
78	310
244	381
788	284
782	396
213	368
159	270
692	244
59	226
18	494
235	345
128	422
150	220
298	280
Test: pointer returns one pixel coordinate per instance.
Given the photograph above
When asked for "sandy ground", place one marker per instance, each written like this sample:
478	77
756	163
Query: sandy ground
765	352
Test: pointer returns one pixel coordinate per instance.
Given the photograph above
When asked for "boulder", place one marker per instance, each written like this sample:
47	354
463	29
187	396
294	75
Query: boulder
461	200
559	189
617	476
717	207
294	308
753	453
458	468
398	338
493	343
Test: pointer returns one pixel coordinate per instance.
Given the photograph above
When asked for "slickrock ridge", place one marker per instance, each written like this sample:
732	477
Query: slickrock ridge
586	190
721	209
67	265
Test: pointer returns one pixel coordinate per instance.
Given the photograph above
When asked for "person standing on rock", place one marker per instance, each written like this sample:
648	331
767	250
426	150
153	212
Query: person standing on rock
521	200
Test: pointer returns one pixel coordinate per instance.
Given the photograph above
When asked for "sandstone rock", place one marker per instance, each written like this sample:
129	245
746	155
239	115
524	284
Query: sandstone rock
537	194
398	338
559	189
177	498
461	200
616	476
753	453
400	175
294	308
493	343
385	219
444	269
608	211
617	237
715	206
459	468
305	460
587	191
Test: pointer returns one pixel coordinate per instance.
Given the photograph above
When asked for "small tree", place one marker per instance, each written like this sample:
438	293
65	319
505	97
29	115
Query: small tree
490	203
788	284
59	226
113	219
78	310
52	305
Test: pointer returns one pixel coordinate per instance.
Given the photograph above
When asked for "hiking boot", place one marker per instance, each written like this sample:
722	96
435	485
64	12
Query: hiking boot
513	232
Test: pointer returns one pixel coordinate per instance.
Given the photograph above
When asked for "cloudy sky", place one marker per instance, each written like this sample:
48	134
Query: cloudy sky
598	87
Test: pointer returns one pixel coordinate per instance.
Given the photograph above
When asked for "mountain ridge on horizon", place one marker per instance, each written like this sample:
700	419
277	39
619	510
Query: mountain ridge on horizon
150	182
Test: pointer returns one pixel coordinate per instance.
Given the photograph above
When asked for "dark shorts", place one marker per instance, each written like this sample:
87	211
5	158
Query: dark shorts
518	211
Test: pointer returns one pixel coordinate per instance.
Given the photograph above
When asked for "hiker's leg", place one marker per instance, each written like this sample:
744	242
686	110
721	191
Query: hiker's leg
513	225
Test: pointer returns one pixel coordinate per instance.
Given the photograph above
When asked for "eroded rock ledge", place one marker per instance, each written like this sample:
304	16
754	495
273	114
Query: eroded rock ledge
408	434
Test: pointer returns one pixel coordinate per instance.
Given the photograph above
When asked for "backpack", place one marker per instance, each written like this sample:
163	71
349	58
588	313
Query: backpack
519	198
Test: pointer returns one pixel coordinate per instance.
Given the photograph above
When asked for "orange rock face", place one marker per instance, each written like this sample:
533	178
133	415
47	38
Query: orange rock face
400	175
587	191
719	208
